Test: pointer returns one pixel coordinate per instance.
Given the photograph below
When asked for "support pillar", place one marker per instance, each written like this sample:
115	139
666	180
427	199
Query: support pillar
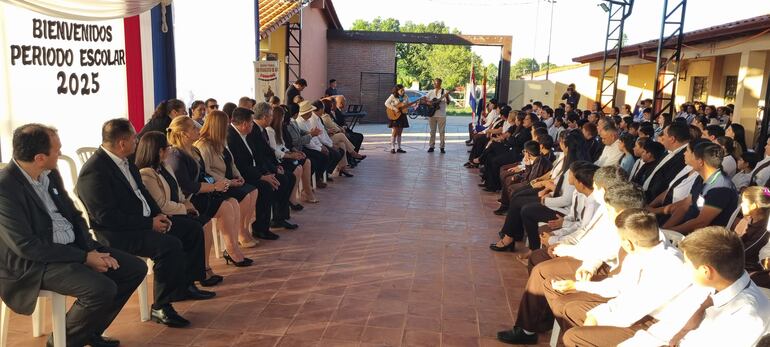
749	93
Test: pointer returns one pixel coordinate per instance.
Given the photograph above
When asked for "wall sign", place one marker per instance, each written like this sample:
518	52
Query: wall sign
266	74
65	73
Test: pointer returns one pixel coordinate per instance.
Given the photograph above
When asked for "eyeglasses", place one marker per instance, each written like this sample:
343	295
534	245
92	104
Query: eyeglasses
214	107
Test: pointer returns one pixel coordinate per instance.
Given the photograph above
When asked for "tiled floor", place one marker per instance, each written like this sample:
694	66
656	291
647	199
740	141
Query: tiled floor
394	256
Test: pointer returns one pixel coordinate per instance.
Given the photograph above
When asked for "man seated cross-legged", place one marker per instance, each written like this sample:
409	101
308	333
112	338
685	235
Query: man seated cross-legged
45	244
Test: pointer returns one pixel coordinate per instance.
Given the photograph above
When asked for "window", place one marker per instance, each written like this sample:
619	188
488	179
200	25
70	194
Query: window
731	86
700	90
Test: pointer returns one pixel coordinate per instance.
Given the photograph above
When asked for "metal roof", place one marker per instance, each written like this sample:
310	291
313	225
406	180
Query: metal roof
726	31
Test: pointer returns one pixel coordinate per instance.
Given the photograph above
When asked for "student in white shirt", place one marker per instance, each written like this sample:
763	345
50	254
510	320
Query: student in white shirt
736	313
601	244
732	153
652	274
761	172
557	128
584	206
746	163
611	153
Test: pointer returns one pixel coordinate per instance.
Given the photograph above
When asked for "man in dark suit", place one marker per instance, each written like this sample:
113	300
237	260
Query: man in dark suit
265	155
45	244
256	171
675	138
514	144
124	216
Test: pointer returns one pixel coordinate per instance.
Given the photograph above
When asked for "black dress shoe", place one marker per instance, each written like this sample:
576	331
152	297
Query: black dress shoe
400	151
430	150
212	281
103	341
296	207
167	316
507	248
283	224
266	235
516	336
502	211
482	185
442	151
193	293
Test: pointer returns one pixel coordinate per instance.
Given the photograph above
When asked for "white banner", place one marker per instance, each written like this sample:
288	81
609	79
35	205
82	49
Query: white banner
266	75
64	73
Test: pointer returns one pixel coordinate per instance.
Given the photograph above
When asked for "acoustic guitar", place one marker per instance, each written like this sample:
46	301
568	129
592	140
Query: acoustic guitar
402	107
435	104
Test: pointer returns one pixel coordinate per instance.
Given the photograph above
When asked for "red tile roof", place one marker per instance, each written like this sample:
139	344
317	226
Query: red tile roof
741	28
274	13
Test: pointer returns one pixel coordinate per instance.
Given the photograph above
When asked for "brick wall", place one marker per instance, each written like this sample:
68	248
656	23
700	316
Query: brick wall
348	59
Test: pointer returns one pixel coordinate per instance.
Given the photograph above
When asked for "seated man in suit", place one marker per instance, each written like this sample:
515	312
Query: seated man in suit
45	244
124	216
265	155
675	138
256	172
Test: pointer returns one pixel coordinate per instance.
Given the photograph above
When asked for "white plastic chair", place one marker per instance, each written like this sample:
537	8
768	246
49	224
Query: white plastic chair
218	242
84	153
732	217
68	169
58	315
673	237
555	332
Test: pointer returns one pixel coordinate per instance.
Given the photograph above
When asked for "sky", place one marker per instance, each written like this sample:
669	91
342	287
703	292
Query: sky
579	26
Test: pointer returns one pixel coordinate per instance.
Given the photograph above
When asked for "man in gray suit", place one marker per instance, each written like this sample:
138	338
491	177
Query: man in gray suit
45	244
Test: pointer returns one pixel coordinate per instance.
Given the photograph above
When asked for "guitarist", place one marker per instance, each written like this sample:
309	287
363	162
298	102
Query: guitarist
397	103
439	99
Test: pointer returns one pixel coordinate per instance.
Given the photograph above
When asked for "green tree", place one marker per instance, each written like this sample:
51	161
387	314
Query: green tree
422	62
523	67
544	66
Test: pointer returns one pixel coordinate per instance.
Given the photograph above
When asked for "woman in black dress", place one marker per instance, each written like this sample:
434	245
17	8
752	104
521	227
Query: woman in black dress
205	192
396	100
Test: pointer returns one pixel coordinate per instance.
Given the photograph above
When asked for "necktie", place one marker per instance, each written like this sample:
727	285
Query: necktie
557	189
574	208
264	134
693	323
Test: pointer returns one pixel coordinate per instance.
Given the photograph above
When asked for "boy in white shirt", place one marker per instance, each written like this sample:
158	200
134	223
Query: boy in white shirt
735	313
534	315
652	274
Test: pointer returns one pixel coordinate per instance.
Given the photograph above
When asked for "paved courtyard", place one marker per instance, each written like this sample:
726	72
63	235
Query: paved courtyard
394	256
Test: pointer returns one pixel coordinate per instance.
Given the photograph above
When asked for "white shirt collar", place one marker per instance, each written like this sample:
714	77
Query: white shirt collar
29	178
729	293
678	149
118	161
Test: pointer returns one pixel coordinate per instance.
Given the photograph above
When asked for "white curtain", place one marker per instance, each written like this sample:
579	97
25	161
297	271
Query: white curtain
89	9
